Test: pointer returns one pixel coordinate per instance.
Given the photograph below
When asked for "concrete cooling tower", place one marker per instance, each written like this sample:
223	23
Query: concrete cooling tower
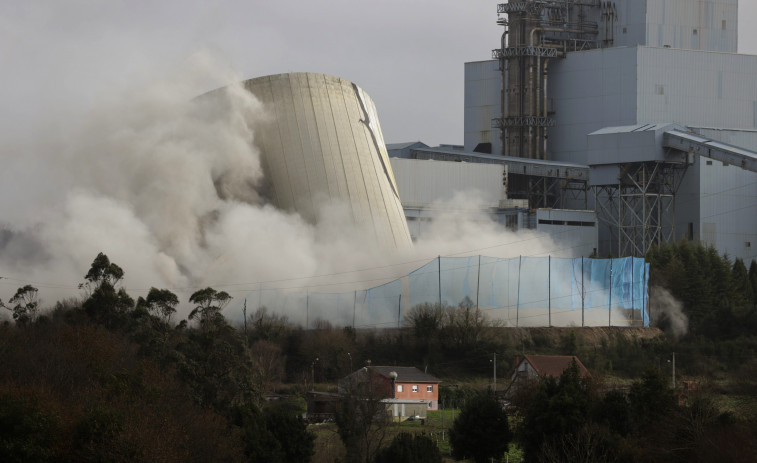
322	144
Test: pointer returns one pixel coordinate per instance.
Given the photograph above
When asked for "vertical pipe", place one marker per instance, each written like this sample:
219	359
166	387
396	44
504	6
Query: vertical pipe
505	68
536	99
307	309
549	289
620	217
354	310
545	112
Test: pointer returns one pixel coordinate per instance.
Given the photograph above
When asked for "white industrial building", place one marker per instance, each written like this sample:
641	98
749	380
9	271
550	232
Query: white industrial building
649	96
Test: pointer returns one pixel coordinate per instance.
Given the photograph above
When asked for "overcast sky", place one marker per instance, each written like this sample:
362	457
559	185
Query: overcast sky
60	57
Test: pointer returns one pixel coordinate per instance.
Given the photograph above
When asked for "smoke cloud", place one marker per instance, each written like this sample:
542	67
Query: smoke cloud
165	185
667	312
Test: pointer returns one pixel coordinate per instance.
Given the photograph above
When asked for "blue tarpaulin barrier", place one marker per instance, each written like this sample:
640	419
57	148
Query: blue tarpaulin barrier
520	291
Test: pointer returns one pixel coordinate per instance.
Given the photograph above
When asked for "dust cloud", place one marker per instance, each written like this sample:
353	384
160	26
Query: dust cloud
165	185
667	312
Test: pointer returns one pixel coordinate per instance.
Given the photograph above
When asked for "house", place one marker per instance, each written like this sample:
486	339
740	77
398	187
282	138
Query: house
392	382
533	367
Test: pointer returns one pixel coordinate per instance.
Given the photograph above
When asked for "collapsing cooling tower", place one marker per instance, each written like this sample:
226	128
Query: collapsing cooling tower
322	144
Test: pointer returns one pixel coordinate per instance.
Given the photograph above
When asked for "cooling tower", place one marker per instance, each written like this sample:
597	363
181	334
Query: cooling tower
321	144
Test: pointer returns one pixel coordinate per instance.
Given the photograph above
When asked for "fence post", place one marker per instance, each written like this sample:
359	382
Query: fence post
609	304
517	303
440	281
478	281
549	290
583	293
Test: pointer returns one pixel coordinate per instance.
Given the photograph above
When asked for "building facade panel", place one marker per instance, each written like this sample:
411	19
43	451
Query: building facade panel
483	83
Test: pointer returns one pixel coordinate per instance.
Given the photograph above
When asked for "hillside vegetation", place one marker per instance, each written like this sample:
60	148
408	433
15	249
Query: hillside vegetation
111	378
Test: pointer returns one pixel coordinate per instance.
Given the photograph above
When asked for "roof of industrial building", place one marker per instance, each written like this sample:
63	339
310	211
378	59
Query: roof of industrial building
495	158
400	146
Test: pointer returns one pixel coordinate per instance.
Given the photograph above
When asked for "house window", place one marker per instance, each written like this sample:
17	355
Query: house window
415	388
429	388
400	388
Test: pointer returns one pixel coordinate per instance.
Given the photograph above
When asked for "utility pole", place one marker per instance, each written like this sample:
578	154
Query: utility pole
495	373
244	313
312	370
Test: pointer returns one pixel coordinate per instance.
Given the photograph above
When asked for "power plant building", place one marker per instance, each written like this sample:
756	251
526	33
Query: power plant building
651	97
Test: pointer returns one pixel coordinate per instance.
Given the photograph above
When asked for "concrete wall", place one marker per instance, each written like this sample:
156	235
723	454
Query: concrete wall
322	145
483	83
423	182
590	90
707	25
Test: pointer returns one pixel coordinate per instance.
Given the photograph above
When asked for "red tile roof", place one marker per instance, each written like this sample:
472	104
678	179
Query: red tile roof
554	365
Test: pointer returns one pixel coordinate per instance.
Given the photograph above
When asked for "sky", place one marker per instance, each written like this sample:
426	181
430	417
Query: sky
60	58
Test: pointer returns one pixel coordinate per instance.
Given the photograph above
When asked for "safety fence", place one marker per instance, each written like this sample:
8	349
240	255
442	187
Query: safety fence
518	292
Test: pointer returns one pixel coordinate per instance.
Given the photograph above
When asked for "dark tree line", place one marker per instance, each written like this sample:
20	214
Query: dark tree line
111	379
570	419
719	295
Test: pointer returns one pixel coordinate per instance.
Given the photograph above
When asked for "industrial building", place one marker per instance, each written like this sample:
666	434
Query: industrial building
641	112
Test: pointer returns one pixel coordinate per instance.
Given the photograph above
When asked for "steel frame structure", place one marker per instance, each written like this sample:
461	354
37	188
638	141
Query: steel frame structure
536	31
546	192
640	208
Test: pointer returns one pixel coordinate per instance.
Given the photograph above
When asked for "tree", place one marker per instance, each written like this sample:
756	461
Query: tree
102	271
481	431
464	323
559	407
161	302
409	448
269	326
425	319
361	419
650	400
24	305
268	363
297	443
208	305
106	304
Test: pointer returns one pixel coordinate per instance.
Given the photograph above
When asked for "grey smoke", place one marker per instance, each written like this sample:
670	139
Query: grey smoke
666	310
165	185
